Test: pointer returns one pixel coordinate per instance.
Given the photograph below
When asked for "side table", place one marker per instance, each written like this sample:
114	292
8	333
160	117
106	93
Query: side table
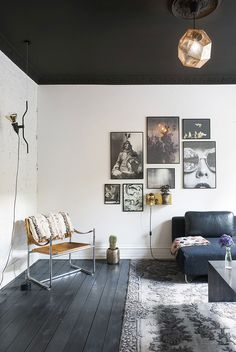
221	282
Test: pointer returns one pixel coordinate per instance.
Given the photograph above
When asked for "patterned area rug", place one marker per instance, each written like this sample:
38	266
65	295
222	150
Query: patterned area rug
165	314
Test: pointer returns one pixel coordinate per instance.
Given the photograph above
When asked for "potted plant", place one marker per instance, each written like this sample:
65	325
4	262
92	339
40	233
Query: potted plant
165	194
113	252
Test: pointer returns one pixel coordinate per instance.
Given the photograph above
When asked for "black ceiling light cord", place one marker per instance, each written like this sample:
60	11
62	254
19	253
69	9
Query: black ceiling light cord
194	10
16	129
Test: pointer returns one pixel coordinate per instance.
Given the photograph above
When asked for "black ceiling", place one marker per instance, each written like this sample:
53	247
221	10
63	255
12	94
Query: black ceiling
113	42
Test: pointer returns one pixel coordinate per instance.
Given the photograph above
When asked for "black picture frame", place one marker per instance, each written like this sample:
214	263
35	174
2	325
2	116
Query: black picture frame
157	177
126	152
132	197
196	129
163	140
111	193
199	164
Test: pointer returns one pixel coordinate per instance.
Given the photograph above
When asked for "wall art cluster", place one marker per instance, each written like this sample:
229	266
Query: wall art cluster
163	147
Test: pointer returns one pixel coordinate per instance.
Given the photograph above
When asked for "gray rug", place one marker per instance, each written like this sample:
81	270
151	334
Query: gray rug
163	313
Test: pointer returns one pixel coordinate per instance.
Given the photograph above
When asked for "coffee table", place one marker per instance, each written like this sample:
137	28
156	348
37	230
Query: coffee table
221	282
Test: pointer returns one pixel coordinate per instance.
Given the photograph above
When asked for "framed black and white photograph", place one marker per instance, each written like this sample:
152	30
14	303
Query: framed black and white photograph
163	140
126	155
133	197
196	129
158	177
199	164
111	194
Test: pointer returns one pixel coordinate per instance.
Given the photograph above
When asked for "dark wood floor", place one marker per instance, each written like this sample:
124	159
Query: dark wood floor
81	313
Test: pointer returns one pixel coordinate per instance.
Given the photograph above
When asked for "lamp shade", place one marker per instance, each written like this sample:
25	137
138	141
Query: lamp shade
12	117
150	199
194	48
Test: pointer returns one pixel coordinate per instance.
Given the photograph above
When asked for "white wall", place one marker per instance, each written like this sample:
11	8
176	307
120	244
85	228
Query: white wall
12	99
74	123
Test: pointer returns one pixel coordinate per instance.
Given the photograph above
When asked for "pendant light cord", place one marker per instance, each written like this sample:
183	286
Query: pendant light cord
194	10
14	209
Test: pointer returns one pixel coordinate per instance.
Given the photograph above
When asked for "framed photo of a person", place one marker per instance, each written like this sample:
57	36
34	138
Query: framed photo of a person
111	194
163	140
196	129
133	197
126	155
158	177
199	164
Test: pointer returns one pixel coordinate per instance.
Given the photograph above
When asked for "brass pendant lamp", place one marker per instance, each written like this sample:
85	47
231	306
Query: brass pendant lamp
194	48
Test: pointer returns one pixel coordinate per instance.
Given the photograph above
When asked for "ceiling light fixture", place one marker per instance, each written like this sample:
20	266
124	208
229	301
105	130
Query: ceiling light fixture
194	48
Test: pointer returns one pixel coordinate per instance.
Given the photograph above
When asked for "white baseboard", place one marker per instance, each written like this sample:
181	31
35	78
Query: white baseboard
125	253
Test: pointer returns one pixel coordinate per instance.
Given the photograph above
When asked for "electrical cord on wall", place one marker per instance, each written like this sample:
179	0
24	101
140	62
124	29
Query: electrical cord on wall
14	209
153	257
150	233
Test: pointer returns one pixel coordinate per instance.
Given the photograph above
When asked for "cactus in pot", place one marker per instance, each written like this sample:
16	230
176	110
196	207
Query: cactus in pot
113	252
113	242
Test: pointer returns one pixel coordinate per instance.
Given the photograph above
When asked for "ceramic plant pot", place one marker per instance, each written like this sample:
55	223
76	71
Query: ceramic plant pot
165	198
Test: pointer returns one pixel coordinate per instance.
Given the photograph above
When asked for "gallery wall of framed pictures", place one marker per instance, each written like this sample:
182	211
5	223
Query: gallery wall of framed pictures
163	150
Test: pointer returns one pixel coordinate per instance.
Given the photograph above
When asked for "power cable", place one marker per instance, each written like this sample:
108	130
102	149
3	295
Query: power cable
150	233
14	209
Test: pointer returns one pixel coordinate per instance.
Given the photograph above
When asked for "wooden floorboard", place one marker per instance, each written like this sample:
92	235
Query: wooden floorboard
85	319
81	313
15	304
62	299
62	335
10	293
104	308
30	304
113	333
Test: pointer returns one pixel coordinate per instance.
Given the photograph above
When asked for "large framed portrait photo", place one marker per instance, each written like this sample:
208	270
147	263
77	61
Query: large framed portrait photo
126	155
163	140
133	197
199	164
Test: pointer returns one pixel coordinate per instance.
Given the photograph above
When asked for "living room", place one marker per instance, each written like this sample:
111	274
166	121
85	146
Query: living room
68	129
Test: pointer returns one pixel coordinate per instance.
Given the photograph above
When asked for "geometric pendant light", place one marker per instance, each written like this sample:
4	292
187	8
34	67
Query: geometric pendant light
194	48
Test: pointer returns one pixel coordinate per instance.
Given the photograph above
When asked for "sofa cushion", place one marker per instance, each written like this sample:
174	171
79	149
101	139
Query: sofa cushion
209	223
194	260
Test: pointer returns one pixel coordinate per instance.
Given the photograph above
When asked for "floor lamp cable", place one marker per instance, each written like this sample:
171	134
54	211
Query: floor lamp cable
14	209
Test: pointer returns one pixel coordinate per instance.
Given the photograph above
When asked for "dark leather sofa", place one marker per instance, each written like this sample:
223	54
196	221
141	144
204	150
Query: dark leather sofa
193	261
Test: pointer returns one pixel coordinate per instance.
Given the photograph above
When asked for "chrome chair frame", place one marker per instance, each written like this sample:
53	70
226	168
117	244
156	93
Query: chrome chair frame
42	283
